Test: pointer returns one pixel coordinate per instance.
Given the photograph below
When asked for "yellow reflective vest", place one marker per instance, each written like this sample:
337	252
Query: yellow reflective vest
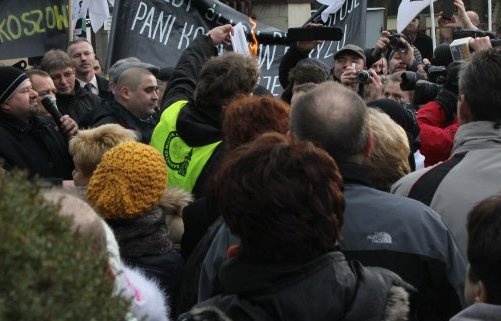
184	163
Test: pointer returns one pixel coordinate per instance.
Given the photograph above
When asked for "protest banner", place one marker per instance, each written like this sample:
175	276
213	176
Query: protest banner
157	32
29	28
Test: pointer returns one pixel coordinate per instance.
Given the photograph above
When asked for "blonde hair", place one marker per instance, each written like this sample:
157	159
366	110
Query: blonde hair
89	145
388	160
84	220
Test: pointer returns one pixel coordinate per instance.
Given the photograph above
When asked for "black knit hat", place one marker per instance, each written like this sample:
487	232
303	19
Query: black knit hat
10	79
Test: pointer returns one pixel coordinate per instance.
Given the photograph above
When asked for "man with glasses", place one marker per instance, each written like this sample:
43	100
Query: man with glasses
72	99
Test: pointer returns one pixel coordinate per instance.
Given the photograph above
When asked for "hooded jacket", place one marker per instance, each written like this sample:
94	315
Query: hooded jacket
196	126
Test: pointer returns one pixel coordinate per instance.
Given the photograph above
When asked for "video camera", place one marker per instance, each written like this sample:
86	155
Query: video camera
424	90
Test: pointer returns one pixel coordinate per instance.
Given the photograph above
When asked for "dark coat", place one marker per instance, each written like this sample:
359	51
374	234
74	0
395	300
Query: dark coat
103	86
79	105
144	242
326	288
115	113
37	147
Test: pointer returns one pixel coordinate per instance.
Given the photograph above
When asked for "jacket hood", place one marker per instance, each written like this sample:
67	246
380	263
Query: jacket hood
199	127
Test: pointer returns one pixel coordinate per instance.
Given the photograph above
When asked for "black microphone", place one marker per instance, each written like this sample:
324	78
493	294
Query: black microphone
49	102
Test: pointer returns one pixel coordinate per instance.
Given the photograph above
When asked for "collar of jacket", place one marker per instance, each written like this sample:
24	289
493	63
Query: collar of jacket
355	173
477	135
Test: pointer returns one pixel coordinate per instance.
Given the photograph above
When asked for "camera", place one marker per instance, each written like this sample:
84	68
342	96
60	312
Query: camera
436	74
395	43
424	90
363	77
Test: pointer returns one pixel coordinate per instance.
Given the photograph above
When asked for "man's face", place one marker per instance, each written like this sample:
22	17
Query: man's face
97	68
64	80
396	63
345	60
83	57
43	86
80	178
143	100
394	92
413	26
380	67
22	103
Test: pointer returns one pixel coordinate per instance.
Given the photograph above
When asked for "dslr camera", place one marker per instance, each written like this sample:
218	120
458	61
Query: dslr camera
363	77
395	43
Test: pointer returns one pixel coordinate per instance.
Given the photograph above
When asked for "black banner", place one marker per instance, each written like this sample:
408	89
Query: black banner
157	31
31	27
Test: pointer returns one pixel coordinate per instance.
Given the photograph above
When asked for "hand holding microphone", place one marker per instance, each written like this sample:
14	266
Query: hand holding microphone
66	123
49	103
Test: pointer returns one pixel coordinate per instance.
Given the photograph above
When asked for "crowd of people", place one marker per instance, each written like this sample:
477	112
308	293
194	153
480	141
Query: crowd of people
206	198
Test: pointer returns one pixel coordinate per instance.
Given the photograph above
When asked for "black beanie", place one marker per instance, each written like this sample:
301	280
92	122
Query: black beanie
10	79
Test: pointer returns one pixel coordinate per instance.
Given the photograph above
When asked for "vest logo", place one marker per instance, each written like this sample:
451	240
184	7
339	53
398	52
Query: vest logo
176	147
380	238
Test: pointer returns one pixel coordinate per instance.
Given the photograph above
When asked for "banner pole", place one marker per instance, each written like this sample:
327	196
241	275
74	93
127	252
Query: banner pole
489	15
70	21
432	16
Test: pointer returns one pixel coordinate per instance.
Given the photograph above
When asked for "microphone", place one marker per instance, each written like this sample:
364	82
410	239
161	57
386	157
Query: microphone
49	103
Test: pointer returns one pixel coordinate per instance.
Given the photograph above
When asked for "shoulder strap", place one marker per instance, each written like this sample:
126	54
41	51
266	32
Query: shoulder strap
425	187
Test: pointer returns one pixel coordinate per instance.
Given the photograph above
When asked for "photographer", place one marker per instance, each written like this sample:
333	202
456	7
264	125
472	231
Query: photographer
347	62
437	119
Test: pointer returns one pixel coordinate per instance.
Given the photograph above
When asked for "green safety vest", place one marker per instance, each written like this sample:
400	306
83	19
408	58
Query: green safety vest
184	163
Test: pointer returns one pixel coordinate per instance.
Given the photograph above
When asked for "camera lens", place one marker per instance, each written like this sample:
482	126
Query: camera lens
363	76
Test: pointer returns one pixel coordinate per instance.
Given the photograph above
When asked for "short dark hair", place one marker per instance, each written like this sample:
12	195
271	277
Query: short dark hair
479	82
484	245
55	59
283	198
332	117
248	117
36	72
224	77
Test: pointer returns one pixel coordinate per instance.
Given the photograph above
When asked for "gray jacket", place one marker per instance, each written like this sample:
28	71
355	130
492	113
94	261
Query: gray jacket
474	178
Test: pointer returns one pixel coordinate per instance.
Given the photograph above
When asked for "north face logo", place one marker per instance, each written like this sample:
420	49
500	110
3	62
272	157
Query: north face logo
380	238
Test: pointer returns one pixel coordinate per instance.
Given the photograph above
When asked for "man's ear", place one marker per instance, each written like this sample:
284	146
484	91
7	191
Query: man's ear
481	295
124	92
463	110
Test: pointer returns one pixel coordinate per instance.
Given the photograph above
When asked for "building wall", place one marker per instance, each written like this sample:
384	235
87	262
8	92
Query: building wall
282	16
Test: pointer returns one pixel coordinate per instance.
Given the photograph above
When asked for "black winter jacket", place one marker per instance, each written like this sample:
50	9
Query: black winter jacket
37	147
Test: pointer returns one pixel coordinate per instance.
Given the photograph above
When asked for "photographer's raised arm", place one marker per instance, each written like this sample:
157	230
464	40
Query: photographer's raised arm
296	52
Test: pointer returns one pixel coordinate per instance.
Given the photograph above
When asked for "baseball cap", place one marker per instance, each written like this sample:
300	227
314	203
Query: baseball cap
351	49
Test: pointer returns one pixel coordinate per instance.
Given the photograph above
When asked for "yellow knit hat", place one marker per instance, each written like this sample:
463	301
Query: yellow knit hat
129	180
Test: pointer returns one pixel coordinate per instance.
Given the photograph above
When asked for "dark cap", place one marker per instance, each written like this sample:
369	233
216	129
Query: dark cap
10	79
351	49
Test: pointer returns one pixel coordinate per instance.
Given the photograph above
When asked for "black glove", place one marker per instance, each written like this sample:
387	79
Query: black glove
448	102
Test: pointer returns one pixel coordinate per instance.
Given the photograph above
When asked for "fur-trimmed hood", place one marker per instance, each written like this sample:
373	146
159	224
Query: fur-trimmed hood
154	232
173	201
